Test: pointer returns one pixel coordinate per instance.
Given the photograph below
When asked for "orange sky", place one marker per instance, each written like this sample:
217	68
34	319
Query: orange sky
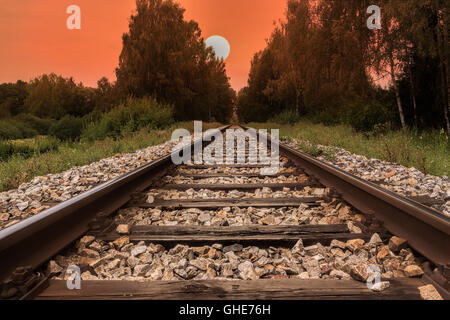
35	40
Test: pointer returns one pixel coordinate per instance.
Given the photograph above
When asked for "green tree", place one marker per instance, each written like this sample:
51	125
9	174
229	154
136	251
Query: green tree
52	96
67	128
414	31
313	63
165	56
12	97
107	95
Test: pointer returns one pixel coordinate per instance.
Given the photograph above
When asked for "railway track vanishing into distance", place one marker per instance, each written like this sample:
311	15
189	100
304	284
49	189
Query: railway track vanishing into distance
244	208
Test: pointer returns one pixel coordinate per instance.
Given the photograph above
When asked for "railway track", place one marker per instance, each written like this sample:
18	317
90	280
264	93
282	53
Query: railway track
306	232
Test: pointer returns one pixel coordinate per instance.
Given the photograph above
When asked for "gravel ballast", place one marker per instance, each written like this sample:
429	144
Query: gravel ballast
354	259
408	182
45	191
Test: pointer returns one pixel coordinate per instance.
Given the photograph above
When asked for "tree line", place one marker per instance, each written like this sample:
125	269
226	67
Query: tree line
323	62
164	55
164	58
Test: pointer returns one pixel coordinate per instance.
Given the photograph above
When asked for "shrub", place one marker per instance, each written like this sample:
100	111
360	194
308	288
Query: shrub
286	117
42	126
68	128
94	116
11	129
27	131
130	117
329	117
367	116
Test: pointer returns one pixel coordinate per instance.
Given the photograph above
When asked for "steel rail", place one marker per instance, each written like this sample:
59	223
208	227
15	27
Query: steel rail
31	242
427	230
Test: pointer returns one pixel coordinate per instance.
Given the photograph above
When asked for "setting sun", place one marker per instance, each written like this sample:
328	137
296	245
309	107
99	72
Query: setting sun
220	46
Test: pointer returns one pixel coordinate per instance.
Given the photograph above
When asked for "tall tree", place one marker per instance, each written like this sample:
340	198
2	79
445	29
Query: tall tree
313	61
165	56
389	51
53	96
414	30
12	97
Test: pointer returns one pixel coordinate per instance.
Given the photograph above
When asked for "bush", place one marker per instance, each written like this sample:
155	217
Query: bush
11	129
42	126
27	131
68	128
94	116
130	117
286	117
368	116
330	117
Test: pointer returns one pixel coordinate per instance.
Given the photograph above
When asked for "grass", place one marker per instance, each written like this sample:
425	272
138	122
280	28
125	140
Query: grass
428	152
131	116
27	148
18	169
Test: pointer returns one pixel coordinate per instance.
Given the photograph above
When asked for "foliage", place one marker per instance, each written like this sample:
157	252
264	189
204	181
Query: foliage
413	48
313	62
12	97
165	56
131	116
26	148
13	129
367	115
67	128
8	149
286	117
323	63
42	126
107	96
52	96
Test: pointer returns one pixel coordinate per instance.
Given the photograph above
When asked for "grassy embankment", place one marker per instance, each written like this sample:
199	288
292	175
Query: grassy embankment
44	155
21	160
428	152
